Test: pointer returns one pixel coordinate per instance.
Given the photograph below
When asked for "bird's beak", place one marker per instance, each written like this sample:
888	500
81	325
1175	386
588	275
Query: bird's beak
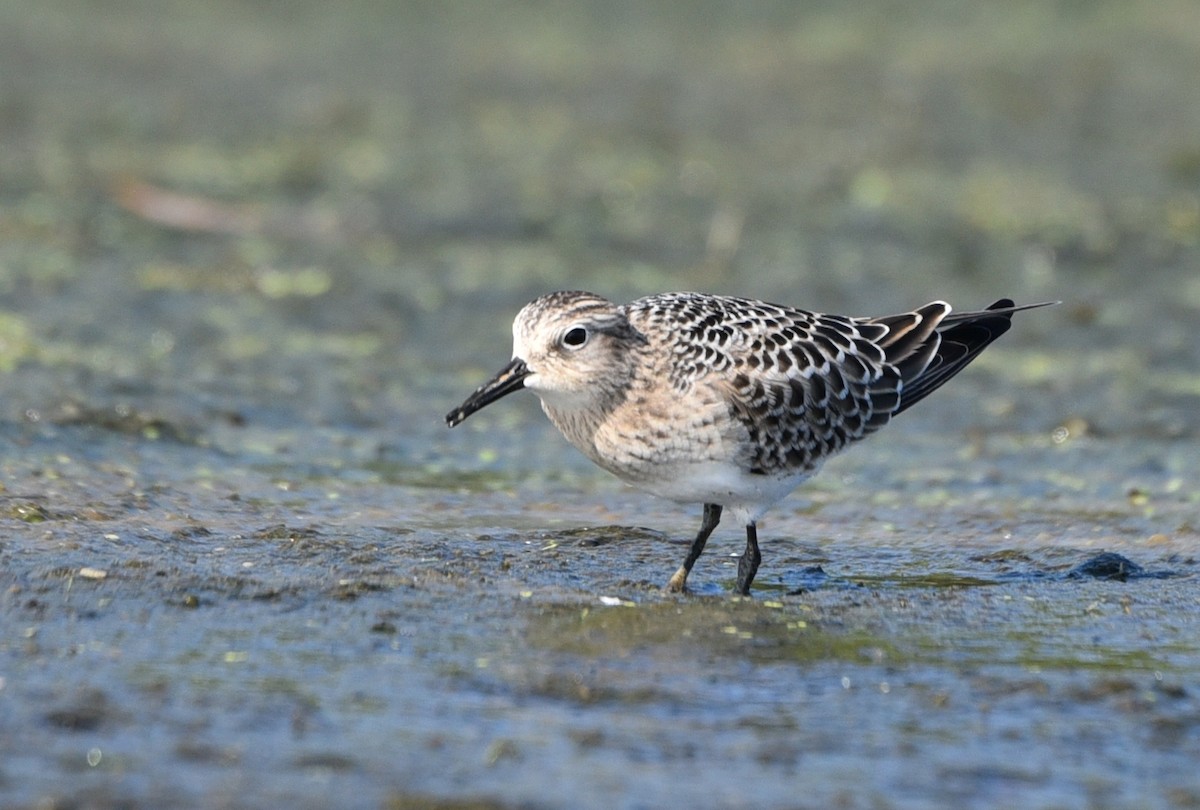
511	378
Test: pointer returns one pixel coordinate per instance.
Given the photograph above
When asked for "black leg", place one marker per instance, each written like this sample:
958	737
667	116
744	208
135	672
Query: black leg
748	564
712	516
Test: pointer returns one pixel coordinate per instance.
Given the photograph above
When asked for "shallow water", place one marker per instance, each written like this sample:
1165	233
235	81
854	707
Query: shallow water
247	263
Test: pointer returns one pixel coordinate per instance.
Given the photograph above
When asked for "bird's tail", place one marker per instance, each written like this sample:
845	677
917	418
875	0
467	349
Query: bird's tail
956	340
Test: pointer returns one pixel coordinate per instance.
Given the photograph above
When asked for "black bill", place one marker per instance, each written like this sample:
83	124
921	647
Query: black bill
511	378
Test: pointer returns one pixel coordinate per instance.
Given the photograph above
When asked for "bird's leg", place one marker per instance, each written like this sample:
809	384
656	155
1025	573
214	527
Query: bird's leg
748	564
712	516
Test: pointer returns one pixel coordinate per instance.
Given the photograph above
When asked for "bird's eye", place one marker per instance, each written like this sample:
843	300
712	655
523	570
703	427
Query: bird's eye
576	337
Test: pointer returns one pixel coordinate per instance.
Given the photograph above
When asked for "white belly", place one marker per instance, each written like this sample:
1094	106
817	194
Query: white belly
746	496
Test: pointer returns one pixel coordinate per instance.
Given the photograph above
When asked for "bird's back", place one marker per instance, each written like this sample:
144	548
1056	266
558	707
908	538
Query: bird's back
798	386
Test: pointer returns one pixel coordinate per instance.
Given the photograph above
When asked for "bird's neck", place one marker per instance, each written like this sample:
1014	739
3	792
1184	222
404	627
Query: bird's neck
578	418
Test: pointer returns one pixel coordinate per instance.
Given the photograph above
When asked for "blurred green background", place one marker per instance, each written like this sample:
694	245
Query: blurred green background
235	202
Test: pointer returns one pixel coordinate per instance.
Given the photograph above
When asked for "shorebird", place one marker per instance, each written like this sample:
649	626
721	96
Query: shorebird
727	402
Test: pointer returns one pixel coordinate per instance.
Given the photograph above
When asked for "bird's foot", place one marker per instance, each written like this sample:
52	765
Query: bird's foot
678	582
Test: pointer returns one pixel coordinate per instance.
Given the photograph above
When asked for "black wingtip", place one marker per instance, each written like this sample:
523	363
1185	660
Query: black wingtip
1008	305
963	335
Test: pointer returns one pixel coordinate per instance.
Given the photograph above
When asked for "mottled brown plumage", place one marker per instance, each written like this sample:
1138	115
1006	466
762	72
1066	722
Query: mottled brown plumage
724	401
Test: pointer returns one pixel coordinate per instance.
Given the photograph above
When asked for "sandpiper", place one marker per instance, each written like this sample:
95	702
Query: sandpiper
727	402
